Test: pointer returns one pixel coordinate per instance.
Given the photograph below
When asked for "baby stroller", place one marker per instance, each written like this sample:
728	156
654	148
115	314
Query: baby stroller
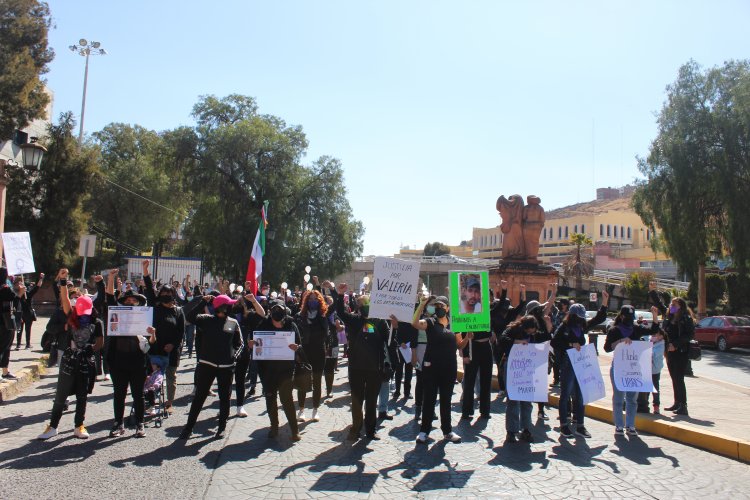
154	398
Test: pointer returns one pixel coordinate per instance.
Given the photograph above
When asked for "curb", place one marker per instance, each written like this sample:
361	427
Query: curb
27	375
731	447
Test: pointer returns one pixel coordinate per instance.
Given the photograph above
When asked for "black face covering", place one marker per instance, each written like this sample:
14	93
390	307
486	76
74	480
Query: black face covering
440	312
627	320
278	314
165	299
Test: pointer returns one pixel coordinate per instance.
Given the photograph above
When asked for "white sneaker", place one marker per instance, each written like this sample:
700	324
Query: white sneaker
48	433
212	393
421	438
107	377
241	412
301	416
315	417
452	437
81	432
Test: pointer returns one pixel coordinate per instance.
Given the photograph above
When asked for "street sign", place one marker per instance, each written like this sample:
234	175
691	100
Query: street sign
87	245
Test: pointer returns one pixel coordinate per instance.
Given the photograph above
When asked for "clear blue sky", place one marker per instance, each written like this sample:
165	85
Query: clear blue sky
435	108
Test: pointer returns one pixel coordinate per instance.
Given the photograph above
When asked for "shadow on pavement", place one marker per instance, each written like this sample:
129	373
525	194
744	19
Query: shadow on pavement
578	453
636	450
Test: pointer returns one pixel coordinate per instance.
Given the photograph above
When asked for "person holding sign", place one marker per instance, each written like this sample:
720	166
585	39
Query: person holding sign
127	362
221	344
368	355
518	413
439	366
625	331
277	376
571	334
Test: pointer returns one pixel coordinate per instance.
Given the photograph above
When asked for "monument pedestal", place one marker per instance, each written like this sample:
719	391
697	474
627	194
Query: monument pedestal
537	278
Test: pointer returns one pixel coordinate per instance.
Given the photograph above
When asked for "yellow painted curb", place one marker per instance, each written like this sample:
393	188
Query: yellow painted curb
735	448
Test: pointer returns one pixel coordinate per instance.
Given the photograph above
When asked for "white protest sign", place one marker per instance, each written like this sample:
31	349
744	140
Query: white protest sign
527	372
393	288
588	374
631	365
129	320
273	346
18	256
87	245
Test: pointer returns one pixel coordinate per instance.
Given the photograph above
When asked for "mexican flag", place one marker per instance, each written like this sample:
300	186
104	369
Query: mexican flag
255	266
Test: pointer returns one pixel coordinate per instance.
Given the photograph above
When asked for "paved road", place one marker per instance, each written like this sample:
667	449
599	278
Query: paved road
247	464
731	366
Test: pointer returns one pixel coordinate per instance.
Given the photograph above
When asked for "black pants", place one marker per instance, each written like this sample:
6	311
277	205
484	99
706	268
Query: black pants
240	373
557	357
317	360
437	380
365	385
204	378
419	390
481	364
25	325
6	340
282	388
403	372
122	376
66	384
643	396
328	372
677	364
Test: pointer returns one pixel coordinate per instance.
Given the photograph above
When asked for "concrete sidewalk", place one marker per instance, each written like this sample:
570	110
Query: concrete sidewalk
26	364
717	420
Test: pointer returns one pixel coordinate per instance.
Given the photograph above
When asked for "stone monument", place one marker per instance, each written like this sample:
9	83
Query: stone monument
521	227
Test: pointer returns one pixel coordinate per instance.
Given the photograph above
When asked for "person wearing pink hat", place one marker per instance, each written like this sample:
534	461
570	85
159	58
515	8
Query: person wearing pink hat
85	336
221	343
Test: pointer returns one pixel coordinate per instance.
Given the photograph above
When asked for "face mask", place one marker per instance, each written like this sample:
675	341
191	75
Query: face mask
84	320
278	314
365	310
165	299
430	310
312	314
627	320
313	305
264	291
673	309
440	313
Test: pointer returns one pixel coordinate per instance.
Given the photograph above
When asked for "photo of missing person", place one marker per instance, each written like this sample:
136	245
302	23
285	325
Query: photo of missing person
113	327
258	351
471	293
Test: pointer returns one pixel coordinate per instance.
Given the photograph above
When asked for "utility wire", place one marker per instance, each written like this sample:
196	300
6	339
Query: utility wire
146	199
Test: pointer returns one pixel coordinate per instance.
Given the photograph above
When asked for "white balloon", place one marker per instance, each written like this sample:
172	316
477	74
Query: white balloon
309	286
239	289
232	287
274	295
284	285
366	280
308	269
307	278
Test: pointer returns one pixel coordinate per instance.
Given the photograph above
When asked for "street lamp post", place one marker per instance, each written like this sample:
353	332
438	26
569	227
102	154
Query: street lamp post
86	49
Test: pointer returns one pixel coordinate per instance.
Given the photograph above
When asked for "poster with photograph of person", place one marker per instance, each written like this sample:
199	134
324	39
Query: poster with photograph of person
470	301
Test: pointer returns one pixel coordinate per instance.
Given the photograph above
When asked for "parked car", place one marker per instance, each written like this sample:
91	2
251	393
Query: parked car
644	318
601	327
723	332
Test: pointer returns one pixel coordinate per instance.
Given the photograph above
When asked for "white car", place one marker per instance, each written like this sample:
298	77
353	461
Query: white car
603	326
644	318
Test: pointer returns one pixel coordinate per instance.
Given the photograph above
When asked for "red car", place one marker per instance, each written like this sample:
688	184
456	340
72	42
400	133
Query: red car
724	332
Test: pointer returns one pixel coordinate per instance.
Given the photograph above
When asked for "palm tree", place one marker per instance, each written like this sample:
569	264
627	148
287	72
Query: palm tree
580	264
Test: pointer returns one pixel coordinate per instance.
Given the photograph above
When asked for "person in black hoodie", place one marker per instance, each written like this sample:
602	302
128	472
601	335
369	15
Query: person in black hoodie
518	413
8	325
368	353
220	346
312	322
679	324
502	313
28	315
571	334
248	319
406	336
277	377
626	331
169	321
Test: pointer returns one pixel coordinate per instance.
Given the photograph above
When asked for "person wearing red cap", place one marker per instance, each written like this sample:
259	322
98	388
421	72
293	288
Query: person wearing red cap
220	345
77	367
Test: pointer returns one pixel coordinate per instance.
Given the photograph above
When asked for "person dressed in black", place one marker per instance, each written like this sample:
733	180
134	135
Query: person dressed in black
248	319
332	349
127	362
368	355
77	367
8	325
220	346
277	376
439	366
28	314
501	315
312	322
679	324
406	336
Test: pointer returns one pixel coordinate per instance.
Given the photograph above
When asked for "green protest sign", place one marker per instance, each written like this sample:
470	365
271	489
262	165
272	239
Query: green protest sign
470	301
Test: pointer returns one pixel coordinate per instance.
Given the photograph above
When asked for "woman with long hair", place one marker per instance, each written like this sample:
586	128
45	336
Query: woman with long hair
312	322
679	324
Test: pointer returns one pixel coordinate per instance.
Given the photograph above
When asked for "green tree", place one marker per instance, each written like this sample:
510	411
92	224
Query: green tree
698	168
580	264
636	287
139	198
235	159
436	249
49	203
24	56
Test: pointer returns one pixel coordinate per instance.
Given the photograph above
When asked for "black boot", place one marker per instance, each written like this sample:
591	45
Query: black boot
681	410
673	407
